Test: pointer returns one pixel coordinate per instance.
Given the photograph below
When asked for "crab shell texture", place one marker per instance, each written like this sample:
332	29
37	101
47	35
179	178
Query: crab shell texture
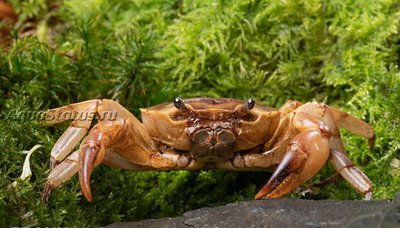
294	141
212	129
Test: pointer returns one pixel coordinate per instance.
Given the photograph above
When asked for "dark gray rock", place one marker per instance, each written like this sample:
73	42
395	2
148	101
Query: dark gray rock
284	213
153	223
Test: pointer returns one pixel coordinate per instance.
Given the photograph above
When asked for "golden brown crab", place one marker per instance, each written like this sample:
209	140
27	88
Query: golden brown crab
207	133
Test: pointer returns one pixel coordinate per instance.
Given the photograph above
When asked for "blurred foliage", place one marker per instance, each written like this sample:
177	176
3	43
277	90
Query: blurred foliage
141	53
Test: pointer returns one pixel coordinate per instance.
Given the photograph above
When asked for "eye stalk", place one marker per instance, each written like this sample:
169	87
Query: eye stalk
180	105
250	103
178	102
244	109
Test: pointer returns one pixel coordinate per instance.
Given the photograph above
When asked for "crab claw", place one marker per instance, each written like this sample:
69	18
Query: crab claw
306	154
92	153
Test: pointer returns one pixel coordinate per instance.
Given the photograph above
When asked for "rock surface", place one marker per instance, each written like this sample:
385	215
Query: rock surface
285	213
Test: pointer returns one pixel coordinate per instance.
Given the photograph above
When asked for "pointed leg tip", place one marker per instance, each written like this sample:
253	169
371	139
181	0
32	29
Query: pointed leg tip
84	179
46	193
258	196
85	186
87	193
89	197
262	194
88	157
368	196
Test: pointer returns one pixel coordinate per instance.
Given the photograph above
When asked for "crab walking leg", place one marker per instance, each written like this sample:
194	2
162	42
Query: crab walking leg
62	172
314	116
351	173
73	135
82	113
128	137
68	112
354	125
342	164
70	166
125	139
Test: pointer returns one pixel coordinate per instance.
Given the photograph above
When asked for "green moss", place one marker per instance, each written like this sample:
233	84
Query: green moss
141	53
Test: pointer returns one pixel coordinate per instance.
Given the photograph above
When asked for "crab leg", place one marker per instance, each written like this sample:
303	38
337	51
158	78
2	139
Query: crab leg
127	136
338	155
70	166
75	132
252	162
68	112
63	171
115	160
354	125
124	137
306	153
82	113
351	173
335	118
309	150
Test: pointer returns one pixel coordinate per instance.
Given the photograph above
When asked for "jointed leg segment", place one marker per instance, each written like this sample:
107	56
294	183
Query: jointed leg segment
318	139
122	142
351	173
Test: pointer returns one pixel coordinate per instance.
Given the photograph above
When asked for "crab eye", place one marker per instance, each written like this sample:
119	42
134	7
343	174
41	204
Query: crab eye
250	103
180	105
178	102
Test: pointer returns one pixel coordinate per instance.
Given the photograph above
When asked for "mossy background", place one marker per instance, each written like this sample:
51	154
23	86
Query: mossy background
141	53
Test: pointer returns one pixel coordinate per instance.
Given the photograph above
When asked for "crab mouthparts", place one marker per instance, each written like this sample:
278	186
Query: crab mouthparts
213	144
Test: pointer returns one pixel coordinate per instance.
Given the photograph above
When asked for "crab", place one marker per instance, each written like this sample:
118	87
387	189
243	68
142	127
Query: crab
294	141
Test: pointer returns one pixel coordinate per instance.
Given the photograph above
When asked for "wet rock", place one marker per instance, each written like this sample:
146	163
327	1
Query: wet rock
285	213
